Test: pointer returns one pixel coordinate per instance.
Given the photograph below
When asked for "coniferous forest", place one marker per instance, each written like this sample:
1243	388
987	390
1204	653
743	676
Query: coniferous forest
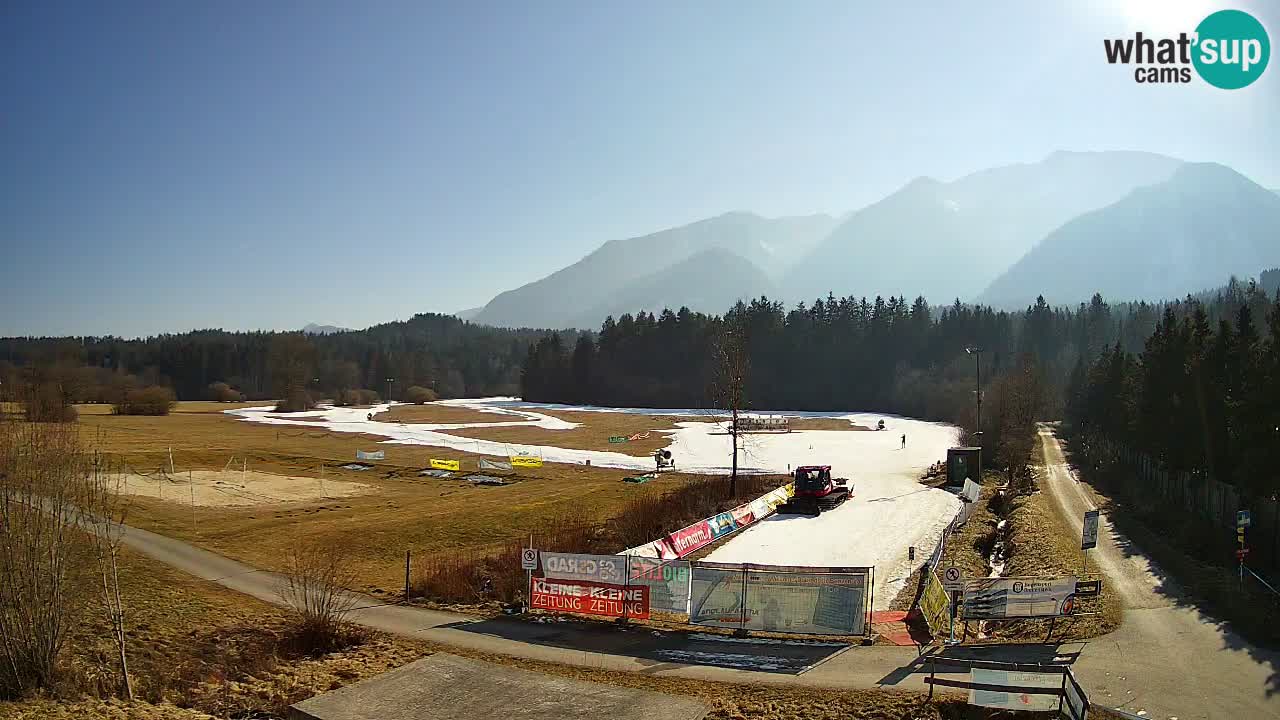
1195	383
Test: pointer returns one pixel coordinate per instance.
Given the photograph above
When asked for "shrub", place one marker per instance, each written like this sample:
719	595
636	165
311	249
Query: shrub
418	395
315	587
473	578
46	402
150	400
296	402
222	392
347	398
650	515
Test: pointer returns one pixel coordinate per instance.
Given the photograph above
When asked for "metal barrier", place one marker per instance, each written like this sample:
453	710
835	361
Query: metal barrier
768	598
1036	687
785	599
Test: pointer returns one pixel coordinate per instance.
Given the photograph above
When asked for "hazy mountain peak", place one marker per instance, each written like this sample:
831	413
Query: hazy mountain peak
1203	223
314	329
950	239
559	299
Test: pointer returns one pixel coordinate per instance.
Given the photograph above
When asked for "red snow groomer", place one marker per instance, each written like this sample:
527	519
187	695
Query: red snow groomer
815	491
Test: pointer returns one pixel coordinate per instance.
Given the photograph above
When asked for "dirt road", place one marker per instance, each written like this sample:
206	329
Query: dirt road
1167	658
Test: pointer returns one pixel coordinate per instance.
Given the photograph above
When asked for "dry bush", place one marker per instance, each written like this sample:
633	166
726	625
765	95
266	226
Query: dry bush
315	587
418	395
454	578
222	392
52	489
299	401
651	515
150	400
469	577
347	398
46	402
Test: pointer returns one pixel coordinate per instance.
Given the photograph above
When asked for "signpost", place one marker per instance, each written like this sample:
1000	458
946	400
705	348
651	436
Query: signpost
529	563
1089	537
953	581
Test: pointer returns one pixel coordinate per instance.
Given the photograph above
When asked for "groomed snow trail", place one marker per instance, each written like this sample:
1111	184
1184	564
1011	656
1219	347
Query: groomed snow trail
888	513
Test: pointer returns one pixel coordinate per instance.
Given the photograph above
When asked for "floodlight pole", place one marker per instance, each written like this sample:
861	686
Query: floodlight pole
976	352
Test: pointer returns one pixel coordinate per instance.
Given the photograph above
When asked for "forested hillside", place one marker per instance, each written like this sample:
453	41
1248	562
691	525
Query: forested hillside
897	357
441	352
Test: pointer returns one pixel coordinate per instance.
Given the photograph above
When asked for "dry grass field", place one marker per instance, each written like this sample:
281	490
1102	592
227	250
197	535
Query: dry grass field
400	511
198	651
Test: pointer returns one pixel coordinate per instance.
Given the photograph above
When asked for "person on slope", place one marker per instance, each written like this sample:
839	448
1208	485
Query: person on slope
904	441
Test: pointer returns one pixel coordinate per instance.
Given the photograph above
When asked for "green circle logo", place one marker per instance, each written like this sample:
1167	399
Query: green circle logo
1232	49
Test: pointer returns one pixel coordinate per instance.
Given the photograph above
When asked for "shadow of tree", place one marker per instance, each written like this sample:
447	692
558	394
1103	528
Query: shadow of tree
1246	619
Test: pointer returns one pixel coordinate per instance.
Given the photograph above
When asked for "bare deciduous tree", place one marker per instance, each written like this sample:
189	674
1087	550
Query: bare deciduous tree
729	386
53	495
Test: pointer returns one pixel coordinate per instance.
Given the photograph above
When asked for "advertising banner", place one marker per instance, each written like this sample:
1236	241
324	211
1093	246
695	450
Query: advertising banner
375	455
494	465
668	582
722	524
588	598
743	515
657	549
996	598
445	464
760	508
1034	702
690	539
792	602
617	438
603	569
531	461
934	605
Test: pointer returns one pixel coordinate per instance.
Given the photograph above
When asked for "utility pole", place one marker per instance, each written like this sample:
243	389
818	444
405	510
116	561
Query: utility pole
976	352
389	381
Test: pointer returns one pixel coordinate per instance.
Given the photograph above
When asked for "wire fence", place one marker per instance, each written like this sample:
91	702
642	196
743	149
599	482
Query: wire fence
1214	503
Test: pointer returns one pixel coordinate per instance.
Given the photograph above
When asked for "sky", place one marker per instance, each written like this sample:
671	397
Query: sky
168	166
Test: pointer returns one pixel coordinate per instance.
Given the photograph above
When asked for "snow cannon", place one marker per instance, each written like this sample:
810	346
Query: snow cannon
664	460
815	491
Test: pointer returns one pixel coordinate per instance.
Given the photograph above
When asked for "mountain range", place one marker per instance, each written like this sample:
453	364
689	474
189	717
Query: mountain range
1127	224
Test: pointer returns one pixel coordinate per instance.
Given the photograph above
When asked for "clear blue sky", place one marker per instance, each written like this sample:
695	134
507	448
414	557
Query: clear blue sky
171	165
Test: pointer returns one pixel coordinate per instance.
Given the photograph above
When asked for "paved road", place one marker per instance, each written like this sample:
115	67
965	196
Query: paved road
1167	658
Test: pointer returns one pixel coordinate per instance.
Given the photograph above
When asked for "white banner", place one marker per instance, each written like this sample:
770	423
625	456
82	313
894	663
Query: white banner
996	598
609	569
1034	702
494	464
375	455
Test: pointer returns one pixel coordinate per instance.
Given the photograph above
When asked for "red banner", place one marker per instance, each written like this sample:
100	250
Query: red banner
687	540
589	598
742	515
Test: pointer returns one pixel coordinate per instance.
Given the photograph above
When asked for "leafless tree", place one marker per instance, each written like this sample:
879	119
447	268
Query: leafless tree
315	587
728	388
53	495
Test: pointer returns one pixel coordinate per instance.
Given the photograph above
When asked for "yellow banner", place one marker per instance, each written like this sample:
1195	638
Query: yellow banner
526	461
445	464
934	604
